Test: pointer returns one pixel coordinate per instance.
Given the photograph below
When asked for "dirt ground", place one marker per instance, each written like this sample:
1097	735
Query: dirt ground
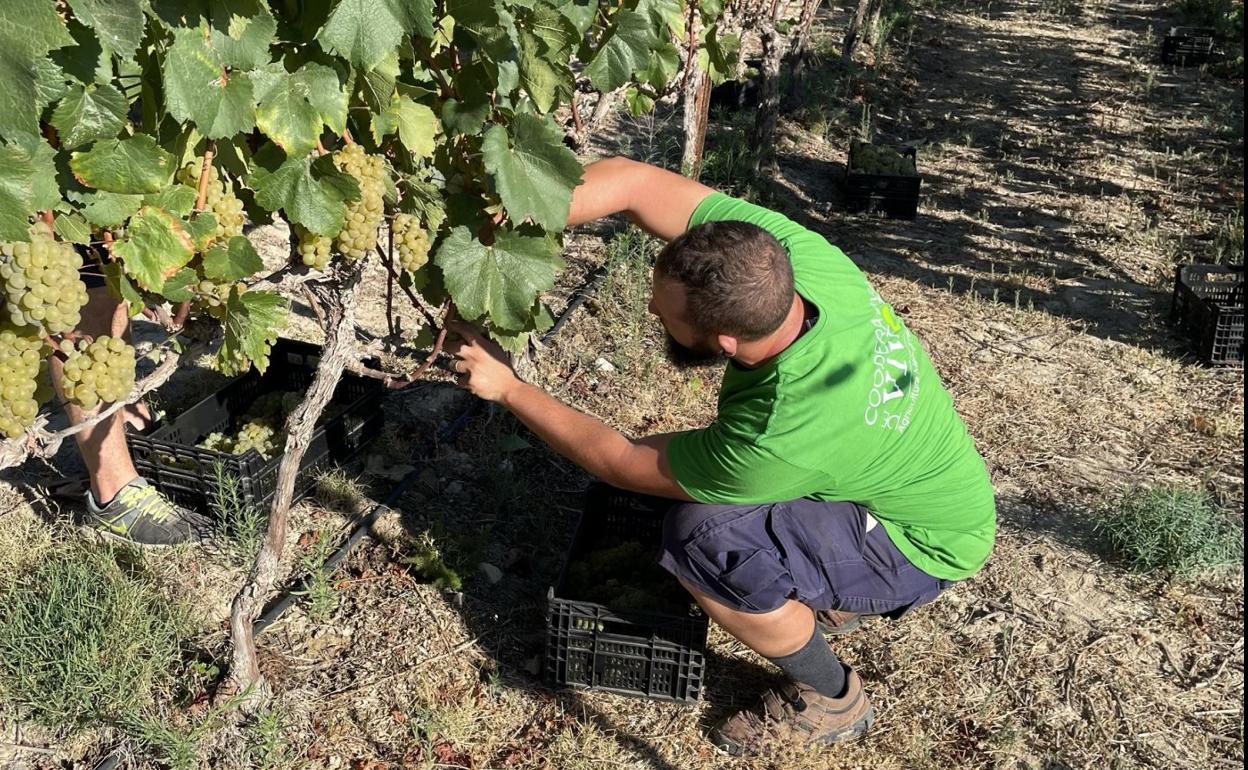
1066	173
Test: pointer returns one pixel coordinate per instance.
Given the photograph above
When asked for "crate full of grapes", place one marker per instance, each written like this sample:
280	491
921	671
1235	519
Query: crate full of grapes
616	621
230	444
1187	45
882	180
1208	308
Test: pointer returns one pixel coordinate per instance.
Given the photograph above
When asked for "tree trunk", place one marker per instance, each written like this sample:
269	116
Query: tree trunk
245	677
799	56
854	31
774	47
871	30
696	99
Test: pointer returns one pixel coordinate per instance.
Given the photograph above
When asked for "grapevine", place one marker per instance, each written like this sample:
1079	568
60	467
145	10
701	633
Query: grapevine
101	370
220	200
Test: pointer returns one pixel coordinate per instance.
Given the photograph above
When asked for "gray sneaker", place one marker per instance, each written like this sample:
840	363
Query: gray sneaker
142	515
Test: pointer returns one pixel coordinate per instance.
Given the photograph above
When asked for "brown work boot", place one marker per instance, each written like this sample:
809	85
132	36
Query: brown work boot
837	622
795	714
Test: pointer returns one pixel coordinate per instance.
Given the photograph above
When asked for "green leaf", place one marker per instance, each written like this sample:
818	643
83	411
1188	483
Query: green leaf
198	88
243	31
121	286
29	29
17	174
415	123
73	228
666	15
284	113
533	170
155	247
624	52
718	55
639	102
179	286
177	199
106	209
365	31
201	228
119	23
545	78
45	192
253	319
499	281
464	119
51	84
135	165
312	193
88	113
579	15
377	85
232	261
663	65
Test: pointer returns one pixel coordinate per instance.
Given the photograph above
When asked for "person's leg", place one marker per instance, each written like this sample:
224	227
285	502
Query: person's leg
103	446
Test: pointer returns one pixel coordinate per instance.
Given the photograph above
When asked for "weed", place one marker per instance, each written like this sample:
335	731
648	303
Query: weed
267	747
86	636
426	560
728	160
320	598
628	259
338	491
239	525
1181	531
178	749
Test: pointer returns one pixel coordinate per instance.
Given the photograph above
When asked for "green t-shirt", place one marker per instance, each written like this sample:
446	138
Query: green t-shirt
852	410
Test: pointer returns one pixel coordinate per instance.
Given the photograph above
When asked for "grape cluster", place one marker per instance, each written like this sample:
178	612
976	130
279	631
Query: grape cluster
101	370
219	199
253	434
21	363
313	248
40	282
214	296
412	242
871	159
359	231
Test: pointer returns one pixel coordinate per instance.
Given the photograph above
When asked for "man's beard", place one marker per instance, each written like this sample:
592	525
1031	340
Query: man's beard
685	357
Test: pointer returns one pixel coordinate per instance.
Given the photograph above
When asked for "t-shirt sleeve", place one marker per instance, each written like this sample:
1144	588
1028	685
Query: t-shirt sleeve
713	466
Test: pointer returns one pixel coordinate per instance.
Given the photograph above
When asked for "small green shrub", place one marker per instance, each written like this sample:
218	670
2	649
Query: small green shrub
1181	531
87	636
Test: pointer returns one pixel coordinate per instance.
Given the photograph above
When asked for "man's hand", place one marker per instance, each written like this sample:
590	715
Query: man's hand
480	364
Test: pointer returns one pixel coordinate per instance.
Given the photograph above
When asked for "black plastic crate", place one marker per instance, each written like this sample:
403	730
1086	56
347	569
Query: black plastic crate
739	94
1208	306
657	655
1187	45
896	196
169	458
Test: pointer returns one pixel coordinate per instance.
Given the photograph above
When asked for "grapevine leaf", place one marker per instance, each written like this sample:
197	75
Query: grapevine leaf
284	113
232	261
540	319
545	81
252	322
579	15
106	209
365	31
624	52
119	23
29	29
664	14
88	113
85	60
72	228
534	171
50	82
639	102
201	228
415	123
377	85
155	247
45	193
177	199
178	287
662	66
243	31
499	281
315	200
121	286
479	16
135	165
200	90
464	118
718	55
17	172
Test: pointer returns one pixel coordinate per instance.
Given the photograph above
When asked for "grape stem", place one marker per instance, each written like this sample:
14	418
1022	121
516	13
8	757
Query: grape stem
416	303
394	382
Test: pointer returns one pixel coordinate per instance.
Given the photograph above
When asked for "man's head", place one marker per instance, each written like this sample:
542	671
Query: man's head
719	285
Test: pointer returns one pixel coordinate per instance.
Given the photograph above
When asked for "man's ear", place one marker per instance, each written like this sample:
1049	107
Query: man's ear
727	344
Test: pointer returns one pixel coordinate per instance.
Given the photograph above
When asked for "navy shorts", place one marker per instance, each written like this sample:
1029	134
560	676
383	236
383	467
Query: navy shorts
753	558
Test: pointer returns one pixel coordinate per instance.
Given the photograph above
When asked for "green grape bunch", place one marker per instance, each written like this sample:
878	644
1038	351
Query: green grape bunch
359	231
412	242
313	248
42	288
219	199
215	296
98	371
259	435
871	159
21	367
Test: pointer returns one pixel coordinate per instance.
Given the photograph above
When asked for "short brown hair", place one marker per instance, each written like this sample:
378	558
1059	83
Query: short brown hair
737	278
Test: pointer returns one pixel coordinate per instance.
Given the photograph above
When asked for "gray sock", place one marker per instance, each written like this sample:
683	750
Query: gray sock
815	665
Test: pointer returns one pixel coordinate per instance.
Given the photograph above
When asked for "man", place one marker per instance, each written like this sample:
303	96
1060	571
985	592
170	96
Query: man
119	502
837	479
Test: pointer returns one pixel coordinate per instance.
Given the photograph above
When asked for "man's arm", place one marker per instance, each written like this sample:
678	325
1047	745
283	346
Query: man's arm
656	200
638	466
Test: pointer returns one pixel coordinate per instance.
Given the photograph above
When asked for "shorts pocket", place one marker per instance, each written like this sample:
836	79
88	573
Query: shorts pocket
752	581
